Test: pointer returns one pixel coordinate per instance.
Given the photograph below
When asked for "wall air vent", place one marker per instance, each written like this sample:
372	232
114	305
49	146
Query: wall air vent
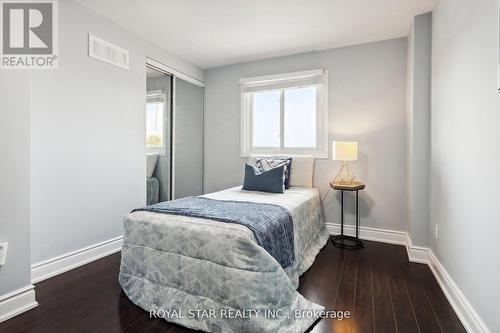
107	52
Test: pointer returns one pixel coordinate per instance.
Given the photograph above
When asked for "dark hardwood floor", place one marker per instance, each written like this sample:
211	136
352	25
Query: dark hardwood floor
383	291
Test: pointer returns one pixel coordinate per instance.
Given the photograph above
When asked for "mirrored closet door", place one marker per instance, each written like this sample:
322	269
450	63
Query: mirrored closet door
158	135
174	136
188	139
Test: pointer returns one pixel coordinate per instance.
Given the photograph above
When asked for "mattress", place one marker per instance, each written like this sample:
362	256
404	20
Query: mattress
188	264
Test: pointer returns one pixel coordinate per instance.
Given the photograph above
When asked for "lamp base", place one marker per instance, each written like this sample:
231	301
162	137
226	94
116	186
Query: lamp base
344	176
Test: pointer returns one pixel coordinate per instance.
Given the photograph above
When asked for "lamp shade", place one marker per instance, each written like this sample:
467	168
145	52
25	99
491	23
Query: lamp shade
345	151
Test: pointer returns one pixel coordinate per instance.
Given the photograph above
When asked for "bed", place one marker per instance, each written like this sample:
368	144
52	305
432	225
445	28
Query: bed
213	276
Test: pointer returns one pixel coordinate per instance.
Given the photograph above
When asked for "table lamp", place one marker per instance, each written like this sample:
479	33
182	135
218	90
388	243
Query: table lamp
344	151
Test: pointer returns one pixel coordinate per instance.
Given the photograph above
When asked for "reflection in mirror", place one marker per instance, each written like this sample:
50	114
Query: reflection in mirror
158	135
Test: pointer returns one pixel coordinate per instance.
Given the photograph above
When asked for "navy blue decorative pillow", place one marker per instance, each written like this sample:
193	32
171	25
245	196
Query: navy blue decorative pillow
265	181
266	163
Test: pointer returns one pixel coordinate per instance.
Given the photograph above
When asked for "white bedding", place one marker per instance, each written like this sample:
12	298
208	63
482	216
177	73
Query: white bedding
302	202
292	199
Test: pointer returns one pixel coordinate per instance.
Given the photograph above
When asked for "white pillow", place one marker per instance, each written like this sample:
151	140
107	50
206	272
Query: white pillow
301	172
252	159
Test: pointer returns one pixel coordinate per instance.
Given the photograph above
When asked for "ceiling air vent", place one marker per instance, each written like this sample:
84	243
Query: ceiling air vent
107	52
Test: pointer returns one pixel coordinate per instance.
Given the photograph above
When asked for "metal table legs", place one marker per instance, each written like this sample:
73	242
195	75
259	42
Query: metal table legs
344	241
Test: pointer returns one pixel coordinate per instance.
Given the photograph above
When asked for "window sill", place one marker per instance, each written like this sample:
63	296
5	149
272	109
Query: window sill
160	151
265	152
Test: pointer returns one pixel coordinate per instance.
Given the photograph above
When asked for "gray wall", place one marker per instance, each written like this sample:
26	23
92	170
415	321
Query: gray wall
188	139
15	178
367	102
88	136
162	170
466	149
418	121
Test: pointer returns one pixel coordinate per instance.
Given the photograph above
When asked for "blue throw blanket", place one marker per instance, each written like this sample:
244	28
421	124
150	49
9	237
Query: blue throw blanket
271	225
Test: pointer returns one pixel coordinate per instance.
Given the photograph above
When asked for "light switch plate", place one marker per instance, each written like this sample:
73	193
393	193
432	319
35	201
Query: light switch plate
3	253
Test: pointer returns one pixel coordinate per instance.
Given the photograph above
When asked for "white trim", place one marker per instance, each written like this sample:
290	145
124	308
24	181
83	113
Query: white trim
23	299
170	70
17	302
498	54
151	94
60	264
273	82
468	316
202	169
470	319
283	76
372	234
173	141
463	308
417	254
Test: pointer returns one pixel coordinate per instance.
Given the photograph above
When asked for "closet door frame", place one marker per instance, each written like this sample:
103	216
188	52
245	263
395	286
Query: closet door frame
176	74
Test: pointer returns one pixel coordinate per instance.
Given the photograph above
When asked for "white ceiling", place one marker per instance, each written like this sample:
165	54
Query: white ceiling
213	33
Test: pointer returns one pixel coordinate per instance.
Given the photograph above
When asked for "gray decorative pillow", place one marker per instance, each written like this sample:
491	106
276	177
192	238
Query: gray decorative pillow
266	163
264	181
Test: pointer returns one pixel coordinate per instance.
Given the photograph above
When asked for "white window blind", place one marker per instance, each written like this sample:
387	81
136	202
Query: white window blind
283	81
285	113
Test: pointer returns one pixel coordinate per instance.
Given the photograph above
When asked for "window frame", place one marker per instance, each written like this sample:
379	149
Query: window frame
267	83
161	94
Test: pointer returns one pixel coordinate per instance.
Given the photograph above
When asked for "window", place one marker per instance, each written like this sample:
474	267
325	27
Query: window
155	122
285	113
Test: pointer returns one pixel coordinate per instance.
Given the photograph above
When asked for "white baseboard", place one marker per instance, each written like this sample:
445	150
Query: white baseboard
469	317
463	308
24	299
423	255
17	302
418	254
372	234
60	264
